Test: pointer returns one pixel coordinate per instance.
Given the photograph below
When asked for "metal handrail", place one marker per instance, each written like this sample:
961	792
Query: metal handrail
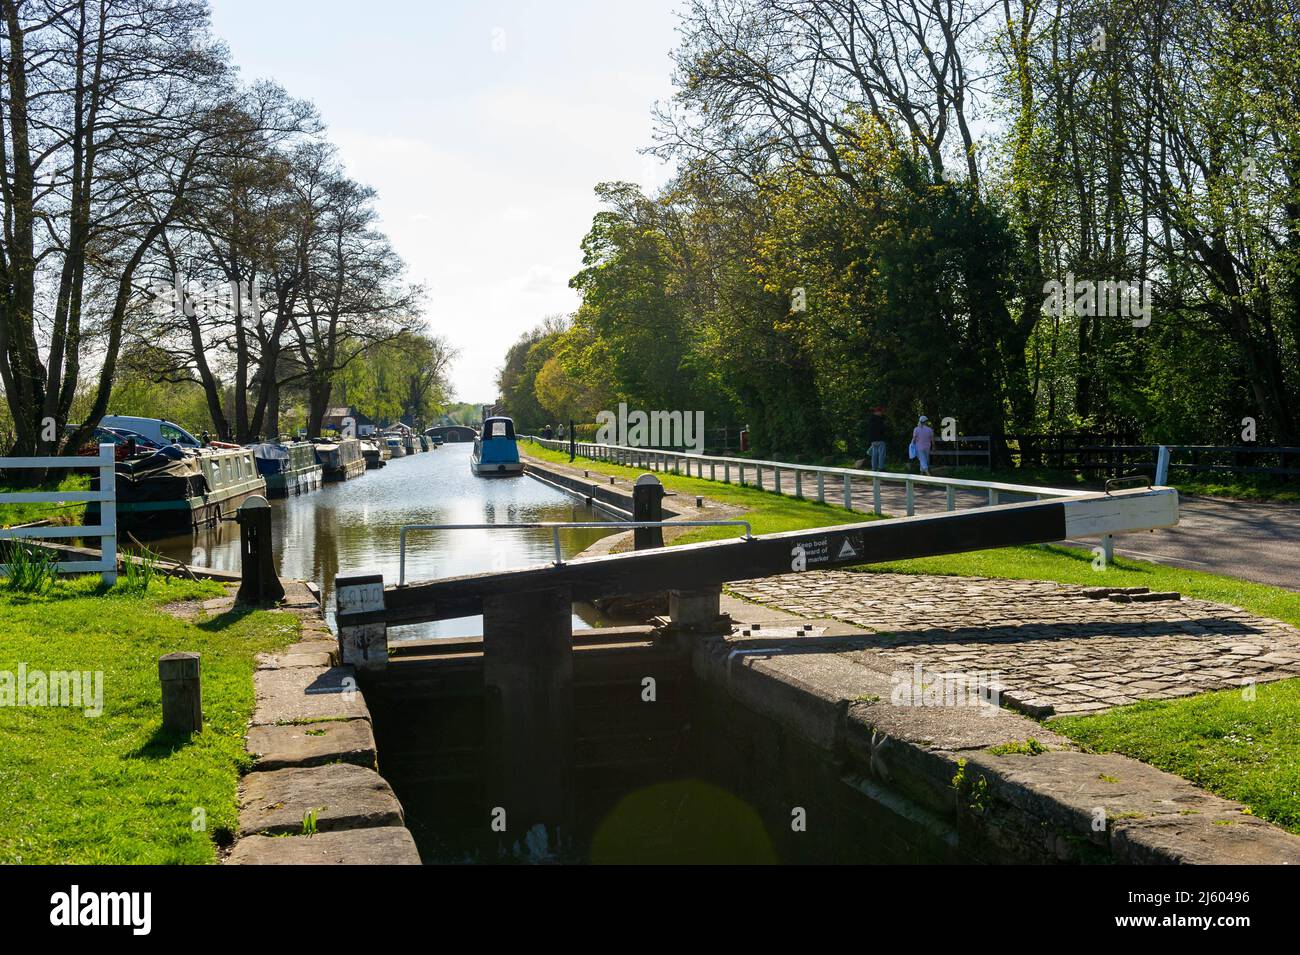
556	527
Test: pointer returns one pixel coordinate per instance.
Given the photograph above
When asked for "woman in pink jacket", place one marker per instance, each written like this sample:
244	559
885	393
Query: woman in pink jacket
923	443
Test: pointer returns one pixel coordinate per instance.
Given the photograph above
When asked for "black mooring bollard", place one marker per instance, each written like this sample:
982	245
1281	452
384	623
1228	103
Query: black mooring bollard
259	583
647	505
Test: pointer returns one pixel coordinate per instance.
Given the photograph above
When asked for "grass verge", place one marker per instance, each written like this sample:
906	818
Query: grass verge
114	788
767	513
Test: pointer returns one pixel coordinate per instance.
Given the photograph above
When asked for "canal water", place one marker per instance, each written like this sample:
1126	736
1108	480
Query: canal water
353	527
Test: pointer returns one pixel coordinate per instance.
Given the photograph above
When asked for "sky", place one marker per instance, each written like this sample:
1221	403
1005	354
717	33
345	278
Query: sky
484	128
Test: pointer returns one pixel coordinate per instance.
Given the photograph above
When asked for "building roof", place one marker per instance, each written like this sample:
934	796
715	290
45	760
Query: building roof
336	415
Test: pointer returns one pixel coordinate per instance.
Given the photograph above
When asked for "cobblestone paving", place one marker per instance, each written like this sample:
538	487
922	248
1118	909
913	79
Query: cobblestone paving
1053	649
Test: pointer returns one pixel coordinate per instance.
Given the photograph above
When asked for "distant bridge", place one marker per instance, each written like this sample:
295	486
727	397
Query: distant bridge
453	433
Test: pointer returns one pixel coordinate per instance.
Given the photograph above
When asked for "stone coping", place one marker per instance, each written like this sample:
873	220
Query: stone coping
314	746
967	771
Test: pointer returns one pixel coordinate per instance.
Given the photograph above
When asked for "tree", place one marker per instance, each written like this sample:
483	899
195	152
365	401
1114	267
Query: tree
107	111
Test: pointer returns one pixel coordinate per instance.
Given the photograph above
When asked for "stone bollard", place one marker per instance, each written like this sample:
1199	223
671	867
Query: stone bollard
258	583
647	505
182	696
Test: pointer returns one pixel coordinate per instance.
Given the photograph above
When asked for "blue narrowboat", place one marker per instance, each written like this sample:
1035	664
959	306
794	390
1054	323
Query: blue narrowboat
495	451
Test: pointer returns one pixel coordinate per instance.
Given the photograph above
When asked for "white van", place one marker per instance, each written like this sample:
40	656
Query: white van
155	429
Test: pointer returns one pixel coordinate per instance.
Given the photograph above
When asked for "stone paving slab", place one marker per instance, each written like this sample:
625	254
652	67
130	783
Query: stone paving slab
306	694
380	845
294	658
312	744
1052	649
342	795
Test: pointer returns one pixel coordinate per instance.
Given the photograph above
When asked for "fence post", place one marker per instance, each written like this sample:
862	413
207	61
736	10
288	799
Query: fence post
798	484
108	512
875	496
911	505
821	488
848	492
1162	465
647	505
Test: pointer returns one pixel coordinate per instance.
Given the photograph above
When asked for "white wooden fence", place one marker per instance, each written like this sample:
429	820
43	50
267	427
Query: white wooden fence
106	496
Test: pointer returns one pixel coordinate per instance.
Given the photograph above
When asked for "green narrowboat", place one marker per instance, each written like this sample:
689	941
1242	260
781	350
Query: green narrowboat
176	490
341	458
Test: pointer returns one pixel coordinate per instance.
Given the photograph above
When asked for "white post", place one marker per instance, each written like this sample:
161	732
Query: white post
821	488
758	476
848	492
875	495
108	513
952	498
362	645
1162	466
798	484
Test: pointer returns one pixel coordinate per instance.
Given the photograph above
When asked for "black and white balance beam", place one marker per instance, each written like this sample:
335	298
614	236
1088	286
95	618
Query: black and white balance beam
713	563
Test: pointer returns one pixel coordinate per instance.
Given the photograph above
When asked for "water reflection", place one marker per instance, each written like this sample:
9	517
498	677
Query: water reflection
354	527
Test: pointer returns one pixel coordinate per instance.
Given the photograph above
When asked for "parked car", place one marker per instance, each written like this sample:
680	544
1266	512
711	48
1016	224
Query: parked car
158	430
122	445
141	442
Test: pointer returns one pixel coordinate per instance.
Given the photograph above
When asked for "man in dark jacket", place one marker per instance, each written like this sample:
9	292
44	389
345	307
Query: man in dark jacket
876	435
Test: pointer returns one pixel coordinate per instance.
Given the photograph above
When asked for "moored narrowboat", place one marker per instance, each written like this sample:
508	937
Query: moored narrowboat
396	448
374	454
287	468
175	490
340	459
495	451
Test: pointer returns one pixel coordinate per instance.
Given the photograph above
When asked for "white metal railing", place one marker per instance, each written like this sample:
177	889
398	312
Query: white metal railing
555	528
106	497
660	460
